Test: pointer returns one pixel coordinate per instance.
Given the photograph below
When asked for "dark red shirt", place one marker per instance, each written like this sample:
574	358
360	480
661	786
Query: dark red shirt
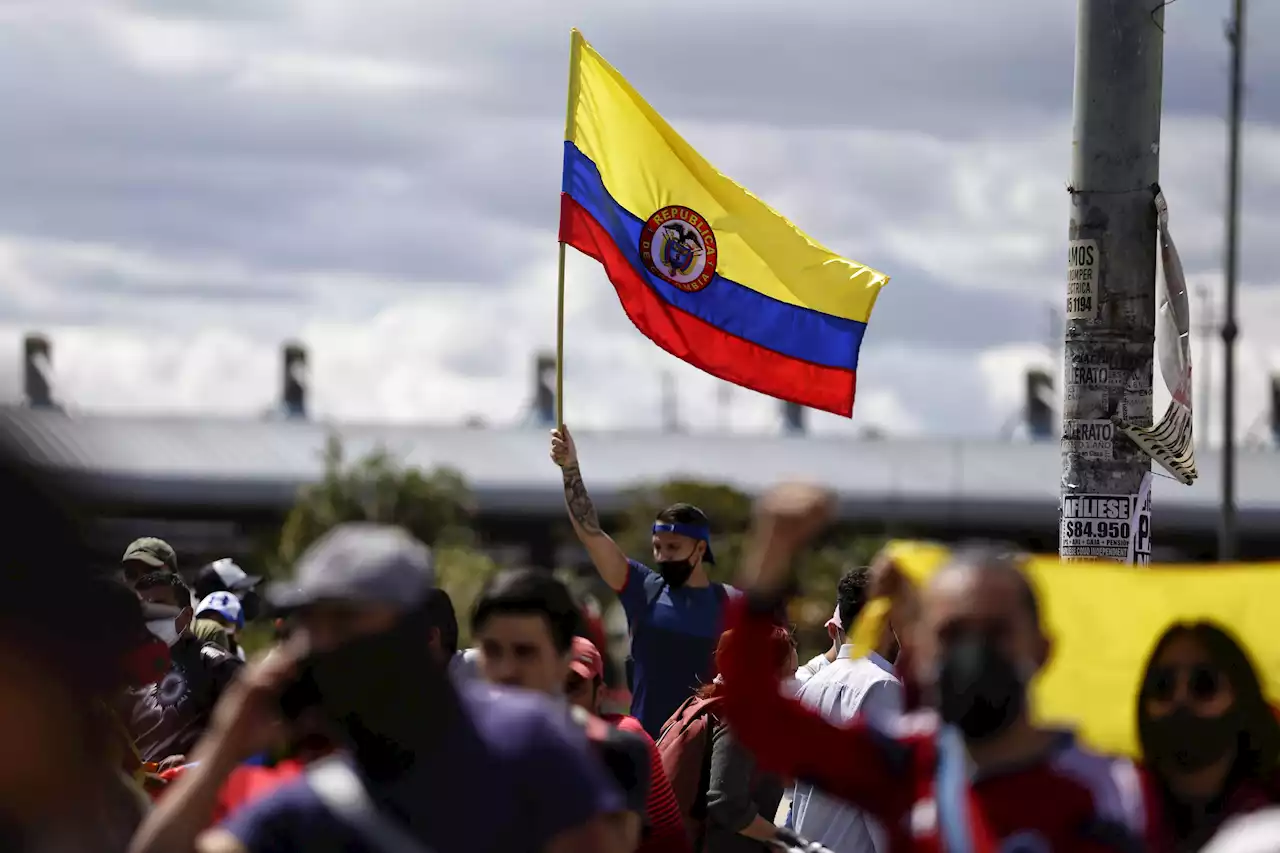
665	827
1069	800
1246	797
247	783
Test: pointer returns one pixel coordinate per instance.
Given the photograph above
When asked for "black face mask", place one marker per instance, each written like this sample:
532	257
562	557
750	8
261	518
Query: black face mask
251	605
385	693
1185	742
675	572
980	691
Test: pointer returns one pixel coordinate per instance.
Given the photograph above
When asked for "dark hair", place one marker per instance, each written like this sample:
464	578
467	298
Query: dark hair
162	578
682	513
438	608
1259	746
526	592
999	558
851	595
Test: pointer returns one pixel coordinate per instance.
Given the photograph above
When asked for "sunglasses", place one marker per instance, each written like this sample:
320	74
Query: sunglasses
1202	682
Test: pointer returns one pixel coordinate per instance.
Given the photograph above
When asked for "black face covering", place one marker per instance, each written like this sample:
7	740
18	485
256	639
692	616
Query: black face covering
251	605
675	572
1185	742
386	694
980	691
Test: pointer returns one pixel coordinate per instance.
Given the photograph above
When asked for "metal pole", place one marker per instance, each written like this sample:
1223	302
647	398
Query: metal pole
1227	530
1204	366
1111	298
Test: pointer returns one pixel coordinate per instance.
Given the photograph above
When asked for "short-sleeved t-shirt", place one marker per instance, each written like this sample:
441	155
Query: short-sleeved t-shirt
515	774
673	642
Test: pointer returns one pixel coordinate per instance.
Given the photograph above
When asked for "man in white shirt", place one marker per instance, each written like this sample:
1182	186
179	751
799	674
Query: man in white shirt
820	662
857	683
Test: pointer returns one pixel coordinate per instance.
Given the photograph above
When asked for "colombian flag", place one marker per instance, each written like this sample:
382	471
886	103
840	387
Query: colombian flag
703	268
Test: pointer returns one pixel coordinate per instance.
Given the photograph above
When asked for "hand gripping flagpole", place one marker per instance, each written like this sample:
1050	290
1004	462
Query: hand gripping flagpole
575	43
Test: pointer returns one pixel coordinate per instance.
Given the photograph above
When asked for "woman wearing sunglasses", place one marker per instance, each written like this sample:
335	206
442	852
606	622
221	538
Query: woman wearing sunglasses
1210	742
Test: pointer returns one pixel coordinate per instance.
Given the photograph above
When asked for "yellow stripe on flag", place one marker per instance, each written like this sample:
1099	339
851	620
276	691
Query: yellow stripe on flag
645	166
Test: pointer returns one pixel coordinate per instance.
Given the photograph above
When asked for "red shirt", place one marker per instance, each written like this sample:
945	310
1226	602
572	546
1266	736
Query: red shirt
245	784
666	829
1247	797
1070	800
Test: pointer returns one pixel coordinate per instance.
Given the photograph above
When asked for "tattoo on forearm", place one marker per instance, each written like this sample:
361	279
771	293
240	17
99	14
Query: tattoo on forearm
579	502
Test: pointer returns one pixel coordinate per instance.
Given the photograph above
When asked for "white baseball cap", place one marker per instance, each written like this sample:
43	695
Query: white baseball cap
225	604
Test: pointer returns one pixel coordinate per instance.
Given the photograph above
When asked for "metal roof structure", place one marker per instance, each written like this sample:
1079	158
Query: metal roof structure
259	465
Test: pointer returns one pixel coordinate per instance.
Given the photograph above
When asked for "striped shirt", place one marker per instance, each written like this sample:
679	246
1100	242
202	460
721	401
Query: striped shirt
665	830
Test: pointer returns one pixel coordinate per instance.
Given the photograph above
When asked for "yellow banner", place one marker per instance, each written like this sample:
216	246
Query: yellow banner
1104	620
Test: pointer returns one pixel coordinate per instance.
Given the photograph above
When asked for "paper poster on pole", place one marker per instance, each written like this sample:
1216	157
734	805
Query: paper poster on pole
1170	442
1092	439
1140	525
1096	527
1082	281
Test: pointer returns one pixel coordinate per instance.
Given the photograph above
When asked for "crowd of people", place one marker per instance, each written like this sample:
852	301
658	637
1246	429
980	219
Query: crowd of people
132	718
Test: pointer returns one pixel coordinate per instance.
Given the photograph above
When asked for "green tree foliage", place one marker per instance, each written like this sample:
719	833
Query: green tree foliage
435	506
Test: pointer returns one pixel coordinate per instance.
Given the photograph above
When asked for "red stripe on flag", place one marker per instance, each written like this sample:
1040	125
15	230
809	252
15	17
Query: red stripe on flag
697	342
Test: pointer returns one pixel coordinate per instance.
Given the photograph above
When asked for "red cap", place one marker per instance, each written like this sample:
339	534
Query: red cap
586	660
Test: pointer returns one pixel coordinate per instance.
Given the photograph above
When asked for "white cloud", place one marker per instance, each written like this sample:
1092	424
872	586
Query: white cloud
382	185
167	46
286	73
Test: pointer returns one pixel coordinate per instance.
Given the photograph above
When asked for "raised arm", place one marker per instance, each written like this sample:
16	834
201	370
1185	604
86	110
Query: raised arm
605	554
858	763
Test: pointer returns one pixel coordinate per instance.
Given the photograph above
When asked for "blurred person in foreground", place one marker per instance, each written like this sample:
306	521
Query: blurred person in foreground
859	683
972	771
425	763
664	829
1210	741
674	613
69	643
1256	832
168	716
525	622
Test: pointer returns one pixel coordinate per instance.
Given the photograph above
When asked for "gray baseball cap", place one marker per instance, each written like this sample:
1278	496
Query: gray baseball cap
359	562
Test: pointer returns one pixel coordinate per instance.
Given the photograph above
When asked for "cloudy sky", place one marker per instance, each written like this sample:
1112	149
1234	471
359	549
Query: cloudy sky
187	184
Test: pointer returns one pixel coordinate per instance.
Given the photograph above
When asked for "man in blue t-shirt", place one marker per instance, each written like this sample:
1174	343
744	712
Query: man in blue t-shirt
429	765
674	613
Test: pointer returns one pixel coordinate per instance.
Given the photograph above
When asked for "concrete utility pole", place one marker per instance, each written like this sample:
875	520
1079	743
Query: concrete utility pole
1111	276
